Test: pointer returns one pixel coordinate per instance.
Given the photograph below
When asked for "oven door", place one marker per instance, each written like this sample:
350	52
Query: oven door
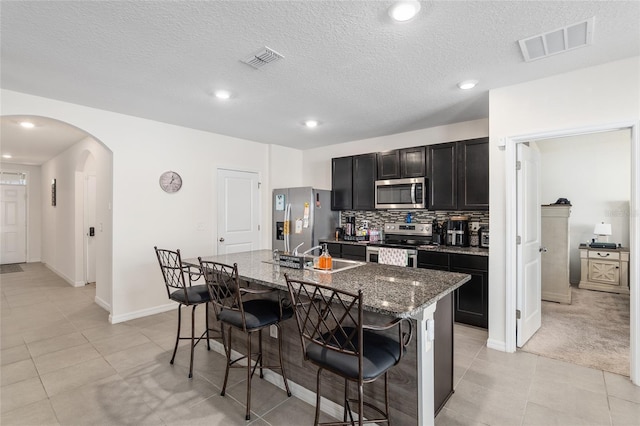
401	194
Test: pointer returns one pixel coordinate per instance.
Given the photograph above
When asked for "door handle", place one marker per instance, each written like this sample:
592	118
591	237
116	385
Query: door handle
221	240
542	250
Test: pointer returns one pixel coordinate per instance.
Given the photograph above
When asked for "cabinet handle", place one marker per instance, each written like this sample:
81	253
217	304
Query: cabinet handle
603	255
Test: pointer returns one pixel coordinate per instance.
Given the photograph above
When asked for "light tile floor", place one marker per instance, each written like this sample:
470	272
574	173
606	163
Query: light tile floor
63	363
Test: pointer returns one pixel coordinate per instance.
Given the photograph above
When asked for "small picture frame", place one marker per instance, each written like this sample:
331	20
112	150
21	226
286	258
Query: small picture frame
53	192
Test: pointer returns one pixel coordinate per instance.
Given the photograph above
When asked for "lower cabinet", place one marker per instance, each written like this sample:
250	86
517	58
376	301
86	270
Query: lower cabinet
347	251
471	300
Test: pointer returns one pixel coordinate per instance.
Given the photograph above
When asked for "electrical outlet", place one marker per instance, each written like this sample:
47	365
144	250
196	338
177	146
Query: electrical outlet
474	226
273	331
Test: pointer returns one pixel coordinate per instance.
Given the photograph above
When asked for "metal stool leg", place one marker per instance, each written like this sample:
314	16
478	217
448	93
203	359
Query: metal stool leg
193	338
317	419
206	319
284	374
175	348
227	349
248	414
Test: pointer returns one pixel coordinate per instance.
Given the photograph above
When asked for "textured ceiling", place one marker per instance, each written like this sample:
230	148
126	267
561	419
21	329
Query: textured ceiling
345	63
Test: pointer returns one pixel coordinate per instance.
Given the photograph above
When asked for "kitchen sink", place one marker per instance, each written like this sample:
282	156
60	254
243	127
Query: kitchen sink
337	265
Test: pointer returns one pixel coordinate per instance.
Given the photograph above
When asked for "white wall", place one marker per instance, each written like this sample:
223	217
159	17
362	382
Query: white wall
143	215
34	208
63	224
608	93
573	168
317	162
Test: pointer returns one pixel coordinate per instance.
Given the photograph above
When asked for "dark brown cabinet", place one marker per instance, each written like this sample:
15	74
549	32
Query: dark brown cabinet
389	165
459	175
353	182
402	163
347	251
364	181
473	174
443	176
342	183
443	353
413	162
471	300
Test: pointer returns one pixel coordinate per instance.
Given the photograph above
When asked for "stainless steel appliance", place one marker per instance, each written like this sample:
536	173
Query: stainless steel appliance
408	236
458	231
409	193
301	217
484	237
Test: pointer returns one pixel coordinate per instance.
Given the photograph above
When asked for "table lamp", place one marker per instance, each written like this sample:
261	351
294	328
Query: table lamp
602	231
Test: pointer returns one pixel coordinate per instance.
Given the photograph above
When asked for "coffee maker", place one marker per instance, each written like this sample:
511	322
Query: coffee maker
458	231
350	226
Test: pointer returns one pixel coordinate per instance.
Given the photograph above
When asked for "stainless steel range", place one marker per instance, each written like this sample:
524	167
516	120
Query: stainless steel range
407	236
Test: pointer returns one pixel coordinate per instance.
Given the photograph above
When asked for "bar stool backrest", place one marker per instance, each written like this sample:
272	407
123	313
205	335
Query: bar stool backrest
224	288
327	316
174	273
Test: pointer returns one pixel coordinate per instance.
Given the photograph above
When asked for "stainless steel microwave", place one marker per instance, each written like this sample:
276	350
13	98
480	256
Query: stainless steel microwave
411	193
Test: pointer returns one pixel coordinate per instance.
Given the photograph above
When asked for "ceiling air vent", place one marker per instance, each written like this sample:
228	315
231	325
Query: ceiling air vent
558	41
262	57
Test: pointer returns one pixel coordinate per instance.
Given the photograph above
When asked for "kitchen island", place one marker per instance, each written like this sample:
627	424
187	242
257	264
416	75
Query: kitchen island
388	291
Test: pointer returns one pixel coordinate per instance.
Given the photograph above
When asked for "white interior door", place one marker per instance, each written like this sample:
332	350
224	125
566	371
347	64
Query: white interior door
528	292
90	222
13	224
238	211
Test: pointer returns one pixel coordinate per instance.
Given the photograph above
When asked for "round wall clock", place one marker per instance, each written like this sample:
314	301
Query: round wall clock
170	181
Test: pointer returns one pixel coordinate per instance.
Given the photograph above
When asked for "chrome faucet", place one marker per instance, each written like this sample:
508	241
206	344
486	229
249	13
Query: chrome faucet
295	250
310	250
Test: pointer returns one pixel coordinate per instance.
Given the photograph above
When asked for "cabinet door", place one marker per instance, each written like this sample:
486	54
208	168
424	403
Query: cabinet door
412	162
471	301
473	174
389	165
605	272
334	249
433	260
354	252
341	183
443	352
364	181
443	178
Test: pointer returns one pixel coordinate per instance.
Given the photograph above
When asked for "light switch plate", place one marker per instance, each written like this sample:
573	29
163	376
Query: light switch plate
474	226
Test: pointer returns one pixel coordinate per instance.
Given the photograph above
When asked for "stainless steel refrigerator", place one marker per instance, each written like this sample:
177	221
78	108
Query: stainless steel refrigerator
302	215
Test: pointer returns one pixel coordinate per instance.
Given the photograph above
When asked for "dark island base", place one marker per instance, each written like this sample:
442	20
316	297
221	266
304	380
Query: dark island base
403	386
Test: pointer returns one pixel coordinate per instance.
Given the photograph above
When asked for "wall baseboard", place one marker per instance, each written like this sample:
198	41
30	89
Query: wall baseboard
497	345
115	319
71	282
104	305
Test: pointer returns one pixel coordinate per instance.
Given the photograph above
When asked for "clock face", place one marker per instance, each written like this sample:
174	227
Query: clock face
170	181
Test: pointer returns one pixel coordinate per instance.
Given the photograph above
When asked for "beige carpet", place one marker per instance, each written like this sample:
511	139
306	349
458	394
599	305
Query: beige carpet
593	331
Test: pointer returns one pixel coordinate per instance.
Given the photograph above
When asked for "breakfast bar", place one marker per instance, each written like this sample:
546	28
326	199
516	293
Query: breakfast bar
389	291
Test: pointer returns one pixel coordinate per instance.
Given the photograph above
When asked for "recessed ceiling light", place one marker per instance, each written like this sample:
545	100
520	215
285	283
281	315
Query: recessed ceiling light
222	94
404	10
467	84
6	156
311	123
27	124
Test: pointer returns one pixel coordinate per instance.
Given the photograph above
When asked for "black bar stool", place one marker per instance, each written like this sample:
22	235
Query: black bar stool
334	338
248	316
178	279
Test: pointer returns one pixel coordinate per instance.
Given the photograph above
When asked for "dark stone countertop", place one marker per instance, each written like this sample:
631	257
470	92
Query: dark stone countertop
390	290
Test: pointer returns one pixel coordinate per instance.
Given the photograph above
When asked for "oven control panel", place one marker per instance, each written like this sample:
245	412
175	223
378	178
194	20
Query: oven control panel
415	229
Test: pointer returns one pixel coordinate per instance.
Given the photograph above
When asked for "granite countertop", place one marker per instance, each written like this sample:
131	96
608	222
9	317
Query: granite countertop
476	251
390	290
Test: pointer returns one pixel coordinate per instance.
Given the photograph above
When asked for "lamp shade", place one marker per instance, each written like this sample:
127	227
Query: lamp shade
602	229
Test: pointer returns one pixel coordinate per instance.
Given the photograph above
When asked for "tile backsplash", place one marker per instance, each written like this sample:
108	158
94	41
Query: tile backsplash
377	218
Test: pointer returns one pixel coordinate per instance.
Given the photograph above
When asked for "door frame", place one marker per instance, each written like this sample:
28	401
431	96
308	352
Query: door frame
511	268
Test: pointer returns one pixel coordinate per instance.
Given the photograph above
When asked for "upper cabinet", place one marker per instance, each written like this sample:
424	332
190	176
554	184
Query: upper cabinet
341	183
473	174
443	176
353	182
413	162
402	163
459	175
389	165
